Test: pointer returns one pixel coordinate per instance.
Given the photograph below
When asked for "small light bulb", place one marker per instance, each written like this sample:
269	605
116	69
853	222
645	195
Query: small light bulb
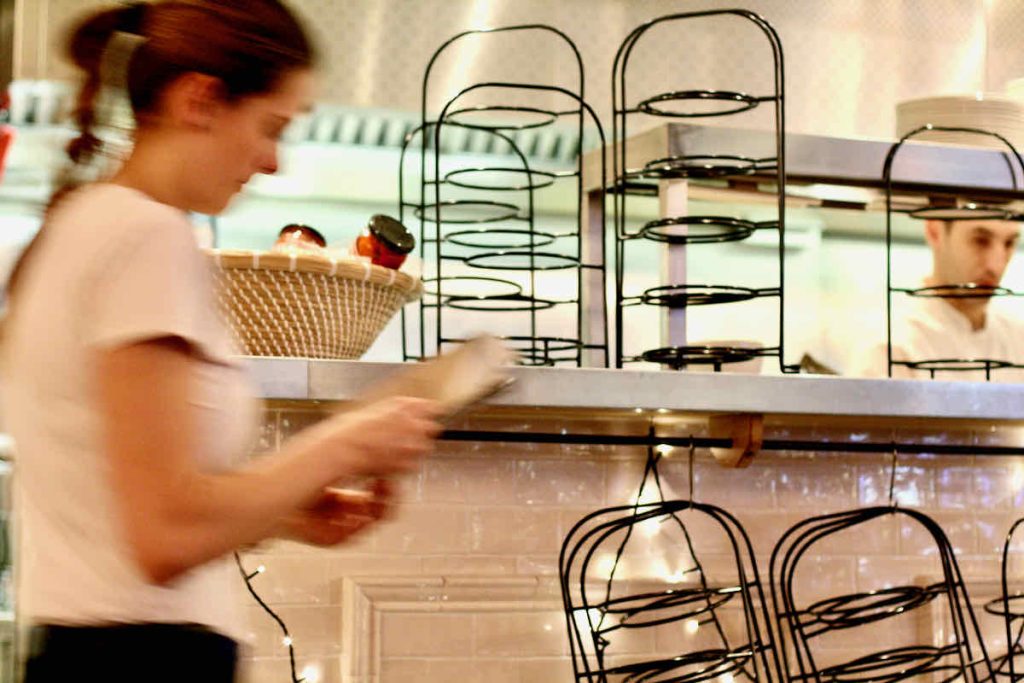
287	641
311	674
663	449
692	626
260	569
650	527
638	410
605	567
678	576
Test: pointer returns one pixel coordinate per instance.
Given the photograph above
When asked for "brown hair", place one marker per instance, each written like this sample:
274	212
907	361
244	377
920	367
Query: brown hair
248	45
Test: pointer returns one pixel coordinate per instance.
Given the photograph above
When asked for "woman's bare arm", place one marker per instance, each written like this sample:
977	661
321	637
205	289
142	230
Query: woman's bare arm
175	516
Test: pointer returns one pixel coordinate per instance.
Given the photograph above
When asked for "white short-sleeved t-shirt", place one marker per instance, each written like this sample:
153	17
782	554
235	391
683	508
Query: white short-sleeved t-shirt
114	267
933	330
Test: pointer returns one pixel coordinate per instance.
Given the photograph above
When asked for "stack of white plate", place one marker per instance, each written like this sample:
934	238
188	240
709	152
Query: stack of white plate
998	114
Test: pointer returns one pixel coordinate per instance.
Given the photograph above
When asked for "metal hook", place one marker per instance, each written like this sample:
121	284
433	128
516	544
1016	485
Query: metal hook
892	477
693	451
652	452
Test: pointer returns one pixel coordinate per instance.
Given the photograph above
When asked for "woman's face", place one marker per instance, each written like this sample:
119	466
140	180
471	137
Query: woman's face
243	140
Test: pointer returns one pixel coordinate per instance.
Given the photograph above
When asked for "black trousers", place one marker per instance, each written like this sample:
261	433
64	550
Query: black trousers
130	652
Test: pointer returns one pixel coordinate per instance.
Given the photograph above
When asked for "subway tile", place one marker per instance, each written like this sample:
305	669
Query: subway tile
506	530
960	530
277	669
980	567
765	528
500	670
874	573
433	634
293	579
992	530
954	488
444	670
622	481
469	480
993	434
994	485
914	485
821	486
880	536
373	564
315	630
750	487
818	577
539	482
425	529
454	565
545	670
369	565
520	634
537	565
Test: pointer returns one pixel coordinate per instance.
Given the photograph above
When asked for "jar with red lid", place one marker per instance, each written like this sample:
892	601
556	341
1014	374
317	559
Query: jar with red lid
385	241
297	238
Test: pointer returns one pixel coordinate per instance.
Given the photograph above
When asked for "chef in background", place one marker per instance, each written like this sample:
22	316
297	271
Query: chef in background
964	328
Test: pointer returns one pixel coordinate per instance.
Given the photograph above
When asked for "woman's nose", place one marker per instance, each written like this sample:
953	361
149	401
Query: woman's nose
269	165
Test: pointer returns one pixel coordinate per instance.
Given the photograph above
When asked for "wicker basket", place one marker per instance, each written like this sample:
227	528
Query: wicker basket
307	306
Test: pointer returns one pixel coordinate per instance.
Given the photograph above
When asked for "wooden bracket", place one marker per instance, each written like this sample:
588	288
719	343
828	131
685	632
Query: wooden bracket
747	433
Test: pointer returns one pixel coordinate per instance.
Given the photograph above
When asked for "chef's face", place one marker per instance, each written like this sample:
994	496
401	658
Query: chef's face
972	251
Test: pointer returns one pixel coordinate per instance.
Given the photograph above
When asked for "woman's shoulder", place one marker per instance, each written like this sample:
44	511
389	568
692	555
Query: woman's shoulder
100	216
110	203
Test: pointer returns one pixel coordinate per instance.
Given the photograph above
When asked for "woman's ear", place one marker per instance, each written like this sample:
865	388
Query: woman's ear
193	100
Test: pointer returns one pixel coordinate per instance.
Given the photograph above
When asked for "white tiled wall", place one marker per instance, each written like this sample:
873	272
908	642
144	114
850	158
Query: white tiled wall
461	585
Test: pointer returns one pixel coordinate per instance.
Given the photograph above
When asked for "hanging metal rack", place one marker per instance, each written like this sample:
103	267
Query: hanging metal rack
600	608
961	657
1008	607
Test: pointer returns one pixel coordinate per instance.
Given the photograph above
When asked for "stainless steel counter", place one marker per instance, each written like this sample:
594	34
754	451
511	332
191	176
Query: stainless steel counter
920	167
808	413
626	390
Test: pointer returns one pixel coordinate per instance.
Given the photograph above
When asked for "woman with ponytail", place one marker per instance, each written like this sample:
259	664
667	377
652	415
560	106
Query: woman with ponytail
130	414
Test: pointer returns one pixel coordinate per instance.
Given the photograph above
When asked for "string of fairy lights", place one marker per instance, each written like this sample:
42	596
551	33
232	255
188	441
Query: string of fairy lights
310	674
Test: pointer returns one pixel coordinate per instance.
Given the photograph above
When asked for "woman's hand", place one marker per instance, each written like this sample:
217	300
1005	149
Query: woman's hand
338	515
381	439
